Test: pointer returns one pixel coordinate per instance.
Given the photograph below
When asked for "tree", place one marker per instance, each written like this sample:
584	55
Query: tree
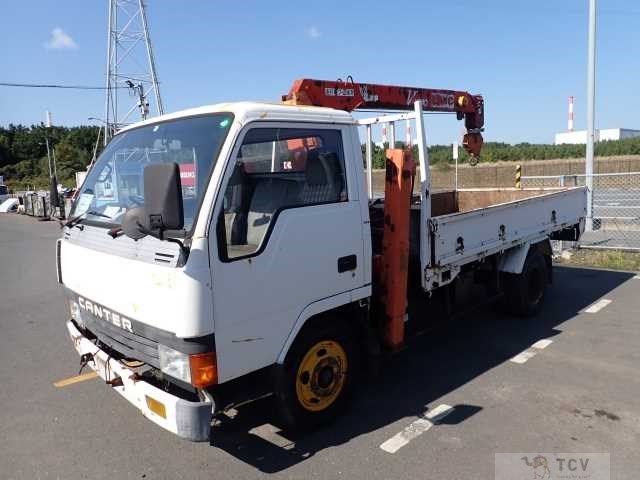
23	152
70	159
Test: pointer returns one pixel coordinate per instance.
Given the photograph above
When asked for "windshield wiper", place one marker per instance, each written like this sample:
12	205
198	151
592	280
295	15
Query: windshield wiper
74	221
115	232
97	214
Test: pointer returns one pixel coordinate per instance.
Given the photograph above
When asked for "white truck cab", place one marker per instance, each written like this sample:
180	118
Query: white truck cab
274	233
222	252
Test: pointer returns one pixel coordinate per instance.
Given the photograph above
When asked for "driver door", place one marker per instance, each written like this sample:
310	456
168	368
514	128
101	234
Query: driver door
288	234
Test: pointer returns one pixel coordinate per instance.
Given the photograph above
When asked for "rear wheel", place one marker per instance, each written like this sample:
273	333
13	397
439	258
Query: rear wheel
317	377
525	291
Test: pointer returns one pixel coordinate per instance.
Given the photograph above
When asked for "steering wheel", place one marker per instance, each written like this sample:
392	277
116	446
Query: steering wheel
137	200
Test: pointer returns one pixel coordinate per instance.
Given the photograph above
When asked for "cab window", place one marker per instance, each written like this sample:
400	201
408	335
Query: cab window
275	169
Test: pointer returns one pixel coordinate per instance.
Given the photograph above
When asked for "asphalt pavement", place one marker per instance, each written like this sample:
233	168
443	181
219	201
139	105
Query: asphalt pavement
565	381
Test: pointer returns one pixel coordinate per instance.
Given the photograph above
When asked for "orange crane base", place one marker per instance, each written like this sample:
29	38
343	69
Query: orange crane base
393	264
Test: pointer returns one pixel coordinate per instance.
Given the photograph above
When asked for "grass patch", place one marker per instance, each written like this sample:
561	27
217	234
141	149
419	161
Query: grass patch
611	259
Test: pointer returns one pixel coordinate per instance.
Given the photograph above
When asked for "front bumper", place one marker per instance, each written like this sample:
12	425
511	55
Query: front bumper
189	420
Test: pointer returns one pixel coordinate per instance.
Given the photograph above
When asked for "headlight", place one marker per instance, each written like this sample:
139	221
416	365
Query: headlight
74	311
200	369
174	363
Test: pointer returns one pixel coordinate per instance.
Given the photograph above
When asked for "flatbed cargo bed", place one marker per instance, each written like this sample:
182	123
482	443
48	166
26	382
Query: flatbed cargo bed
467	225
484	221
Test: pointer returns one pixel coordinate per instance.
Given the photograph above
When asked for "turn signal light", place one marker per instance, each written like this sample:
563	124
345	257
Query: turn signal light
204	369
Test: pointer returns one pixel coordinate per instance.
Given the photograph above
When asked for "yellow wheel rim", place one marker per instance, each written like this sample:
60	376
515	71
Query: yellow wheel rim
321	375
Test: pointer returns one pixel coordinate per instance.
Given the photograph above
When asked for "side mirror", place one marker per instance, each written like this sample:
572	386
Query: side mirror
163	197
133	225
163	209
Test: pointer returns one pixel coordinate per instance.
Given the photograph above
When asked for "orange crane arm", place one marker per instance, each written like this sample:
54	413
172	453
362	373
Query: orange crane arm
350	96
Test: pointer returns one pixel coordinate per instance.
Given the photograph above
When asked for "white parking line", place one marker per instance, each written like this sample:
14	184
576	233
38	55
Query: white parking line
272	435
416	428
542	344
599	305
522	357
531	352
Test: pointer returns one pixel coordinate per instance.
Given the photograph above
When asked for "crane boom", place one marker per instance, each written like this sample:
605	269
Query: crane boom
350	96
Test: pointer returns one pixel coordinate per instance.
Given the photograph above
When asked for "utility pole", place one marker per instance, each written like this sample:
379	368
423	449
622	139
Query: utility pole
53	177
53	150
46	140
55	164
130	66
455	157
591	100
143	103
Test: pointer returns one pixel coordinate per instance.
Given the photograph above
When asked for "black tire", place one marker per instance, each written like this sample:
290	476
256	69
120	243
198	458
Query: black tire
525	292
292	408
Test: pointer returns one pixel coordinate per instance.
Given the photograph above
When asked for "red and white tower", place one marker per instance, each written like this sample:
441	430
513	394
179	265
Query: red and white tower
570	118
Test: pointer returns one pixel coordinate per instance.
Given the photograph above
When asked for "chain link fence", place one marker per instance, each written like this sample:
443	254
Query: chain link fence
616	207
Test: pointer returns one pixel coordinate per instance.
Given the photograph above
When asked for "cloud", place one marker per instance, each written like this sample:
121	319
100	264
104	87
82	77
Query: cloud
313	32
60	40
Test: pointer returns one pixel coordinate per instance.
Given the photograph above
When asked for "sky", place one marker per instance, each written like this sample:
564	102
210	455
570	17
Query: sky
525	57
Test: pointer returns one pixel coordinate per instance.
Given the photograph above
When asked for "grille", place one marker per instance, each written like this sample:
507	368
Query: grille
129	344
163	258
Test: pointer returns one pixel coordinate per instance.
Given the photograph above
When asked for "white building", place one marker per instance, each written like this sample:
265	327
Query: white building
580	136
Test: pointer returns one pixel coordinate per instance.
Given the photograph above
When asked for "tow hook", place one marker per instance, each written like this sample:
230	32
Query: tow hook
85	358
116	382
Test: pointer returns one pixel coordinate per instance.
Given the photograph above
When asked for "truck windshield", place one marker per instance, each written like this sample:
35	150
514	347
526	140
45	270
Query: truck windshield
115	183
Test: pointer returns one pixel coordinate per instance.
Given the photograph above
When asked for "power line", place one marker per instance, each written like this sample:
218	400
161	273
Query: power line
42	85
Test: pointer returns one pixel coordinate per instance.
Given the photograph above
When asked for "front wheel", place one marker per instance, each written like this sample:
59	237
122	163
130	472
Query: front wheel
317	378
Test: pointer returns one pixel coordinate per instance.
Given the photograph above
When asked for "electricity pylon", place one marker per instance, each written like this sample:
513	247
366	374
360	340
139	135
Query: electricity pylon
131	68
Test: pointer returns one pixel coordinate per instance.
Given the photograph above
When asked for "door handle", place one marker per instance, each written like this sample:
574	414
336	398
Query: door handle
350	262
